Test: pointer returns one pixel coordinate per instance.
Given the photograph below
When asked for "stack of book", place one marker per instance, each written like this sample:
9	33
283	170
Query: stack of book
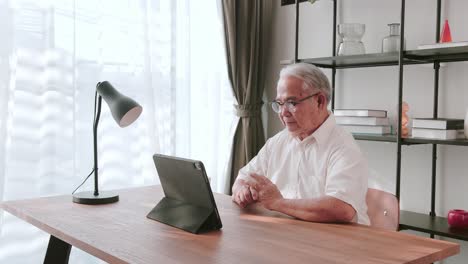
363	121
438	128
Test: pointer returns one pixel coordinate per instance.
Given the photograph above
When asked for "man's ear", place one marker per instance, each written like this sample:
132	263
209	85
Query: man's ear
320	99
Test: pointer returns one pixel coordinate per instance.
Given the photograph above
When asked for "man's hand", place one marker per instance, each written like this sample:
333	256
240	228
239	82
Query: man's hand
257	188
268	193
244	194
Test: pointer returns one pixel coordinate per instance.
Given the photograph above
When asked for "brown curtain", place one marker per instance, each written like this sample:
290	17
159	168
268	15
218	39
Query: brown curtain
246	25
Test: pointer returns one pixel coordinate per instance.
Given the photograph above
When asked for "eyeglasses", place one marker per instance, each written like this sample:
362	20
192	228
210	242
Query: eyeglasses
290	105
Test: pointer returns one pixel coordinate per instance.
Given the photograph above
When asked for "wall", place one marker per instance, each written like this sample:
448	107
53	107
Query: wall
377	88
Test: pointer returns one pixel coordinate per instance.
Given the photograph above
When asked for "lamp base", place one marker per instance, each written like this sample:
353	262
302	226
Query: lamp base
90	198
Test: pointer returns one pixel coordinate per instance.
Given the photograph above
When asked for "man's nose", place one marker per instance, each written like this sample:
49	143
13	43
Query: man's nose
284	110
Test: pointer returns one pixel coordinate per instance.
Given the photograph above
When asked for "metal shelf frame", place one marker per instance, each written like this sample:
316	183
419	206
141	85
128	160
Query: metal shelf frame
430	223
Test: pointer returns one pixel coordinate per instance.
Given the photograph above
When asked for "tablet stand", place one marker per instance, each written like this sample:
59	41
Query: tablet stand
189	217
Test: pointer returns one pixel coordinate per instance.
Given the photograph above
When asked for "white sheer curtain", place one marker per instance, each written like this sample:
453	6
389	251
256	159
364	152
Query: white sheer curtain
167	55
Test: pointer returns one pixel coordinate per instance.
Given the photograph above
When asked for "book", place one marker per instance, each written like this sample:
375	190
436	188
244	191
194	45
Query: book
362	120
360	112
438	133
438	123
443	45
359	129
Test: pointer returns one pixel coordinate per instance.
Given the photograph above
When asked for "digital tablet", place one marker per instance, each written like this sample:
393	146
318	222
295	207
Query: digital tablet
188	201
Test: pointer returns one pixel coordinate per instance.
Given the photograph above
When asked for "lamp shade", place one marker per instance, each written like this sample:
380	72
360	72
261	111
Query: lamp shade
123	108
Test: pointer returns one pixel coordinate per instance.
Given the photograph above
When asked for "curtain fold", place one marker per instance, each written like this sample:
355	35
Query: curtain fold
246	26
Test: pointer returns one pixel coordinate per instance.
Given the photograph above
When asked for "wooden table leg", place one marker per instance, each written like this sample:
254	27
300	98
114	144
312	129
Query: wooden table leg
58	251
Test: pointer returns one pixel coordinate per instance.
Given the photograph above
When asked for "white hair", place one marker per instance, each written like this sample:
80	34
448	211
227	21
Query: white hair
312	77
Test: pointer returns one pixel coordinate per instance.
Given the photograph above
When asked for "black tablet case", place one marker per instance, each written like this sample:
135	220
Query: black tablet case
188	203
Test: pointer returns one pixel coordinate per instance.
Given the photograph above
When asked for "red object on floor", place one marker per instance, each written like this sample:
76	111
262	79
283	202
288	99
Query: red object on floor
446	36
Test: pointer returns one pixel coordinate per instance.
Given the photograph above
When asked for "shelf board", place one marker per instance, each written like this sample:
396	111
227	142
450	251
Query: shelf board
410	141
372	137
361	61
290	2
438	54
355	61
432	225
456	142
391	58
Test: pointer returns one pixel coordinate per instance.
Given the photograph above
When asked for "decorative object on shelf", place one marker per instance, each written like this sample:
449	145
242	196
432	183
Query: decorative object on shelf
351	34
466	124
125	111
457	218
446	36
405	120
391	43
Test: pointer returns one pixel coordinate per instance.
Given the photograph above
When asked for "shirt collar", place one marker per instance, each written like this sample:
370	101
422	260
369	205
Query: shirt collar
322	133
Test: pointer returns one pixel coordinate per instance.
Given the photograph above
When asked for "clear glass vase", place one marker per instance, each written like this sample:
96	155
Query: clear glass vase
391	43
351	34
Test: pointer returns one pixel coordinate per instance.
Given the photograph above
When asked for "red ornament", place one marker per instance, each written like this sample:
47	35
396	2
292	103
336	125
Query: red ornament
457	218
446	36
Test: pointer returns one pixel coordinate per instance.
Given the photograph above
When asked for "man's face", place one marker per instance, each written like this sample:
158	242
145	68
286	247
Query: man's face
305	118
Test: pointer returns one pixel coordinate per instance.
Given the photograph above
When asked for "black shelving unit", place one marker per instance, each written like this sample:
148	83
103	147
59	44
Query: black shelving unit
427	223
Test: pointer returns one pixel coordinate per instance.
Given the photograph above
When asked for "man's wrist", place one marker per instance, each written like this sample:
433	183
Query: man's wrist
276	204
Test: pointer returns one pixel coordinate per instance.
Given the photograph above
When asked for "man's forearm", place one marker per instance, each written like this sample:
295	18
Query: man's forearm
325	209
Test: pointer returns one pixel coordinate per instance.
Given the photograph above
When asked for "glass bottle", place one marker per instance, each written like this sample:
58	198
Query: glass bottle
391	43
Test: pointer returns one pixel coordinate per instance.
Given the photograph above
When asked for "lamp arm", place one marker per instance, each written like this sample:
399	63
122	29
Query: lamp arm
97	114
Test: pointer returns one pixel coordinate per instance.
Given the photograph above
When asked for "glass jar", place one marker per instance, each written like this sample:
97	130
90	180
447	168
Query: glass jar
391	43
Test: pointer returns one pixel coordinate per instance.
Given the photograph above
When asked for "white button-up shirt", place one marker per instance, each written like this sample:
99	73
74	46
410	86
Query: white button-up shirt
328	162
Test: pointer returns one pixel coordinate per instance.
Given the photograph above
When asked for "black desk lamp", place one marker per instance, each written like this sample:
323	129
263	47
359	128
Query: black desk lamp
125	111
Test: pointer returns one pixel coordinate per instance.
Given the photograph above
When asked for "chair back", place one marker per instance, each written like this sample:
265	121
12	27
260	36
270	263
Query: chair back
383	209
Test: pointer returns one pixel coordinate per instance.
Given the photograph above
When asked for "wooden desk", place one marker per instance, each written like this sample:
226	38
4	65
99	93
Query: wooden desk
121	233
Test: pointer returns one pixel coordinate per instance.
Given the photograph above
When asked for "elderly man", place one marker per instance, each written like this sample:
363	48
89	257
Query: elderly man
312	170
